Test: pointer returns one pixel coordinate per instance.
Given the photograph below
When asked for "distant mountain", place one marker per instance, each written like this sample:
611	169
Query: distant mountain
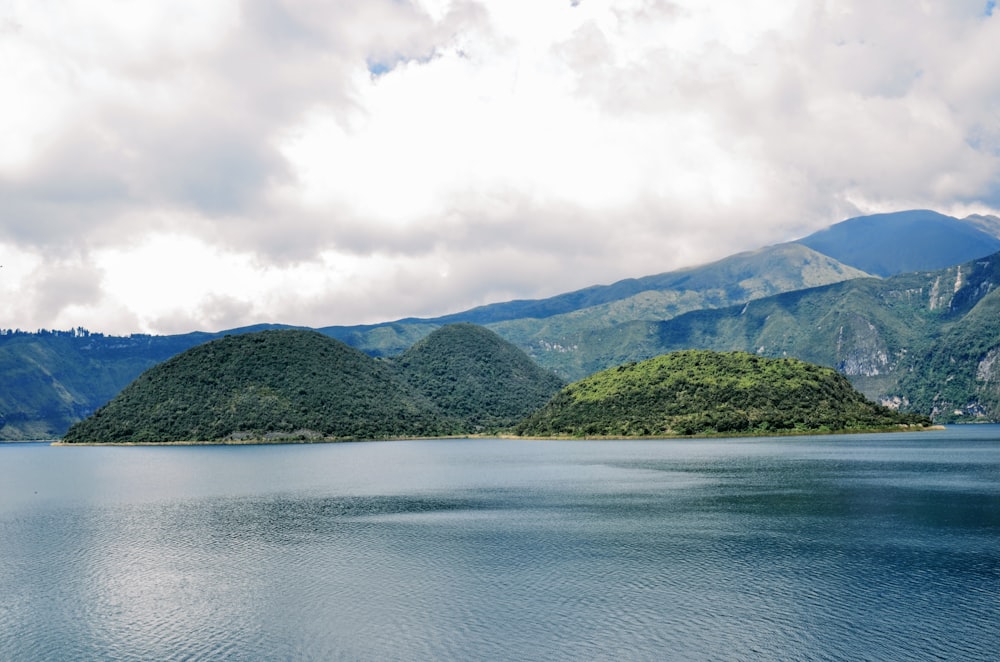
740	277
889	244
988	224
473	375
48	380
545	328
923	342
700	392
302	385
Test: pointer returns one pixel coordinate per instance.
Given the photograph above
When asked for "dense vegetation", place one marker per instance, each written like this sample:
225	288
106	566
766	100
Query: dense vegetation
957	378
904	340
473	375
272	383
915	341
51	379
304	385
702	392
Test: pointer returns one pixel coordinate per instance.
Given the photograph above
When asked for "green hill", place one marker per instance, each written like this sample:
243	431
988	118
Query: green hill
871	331
703	392
296	384
263	385
51	379
473	375
915	341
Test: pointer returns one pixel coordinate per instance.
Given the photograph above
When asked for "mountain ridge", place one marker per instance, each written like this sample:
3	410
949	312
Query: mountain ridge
48	380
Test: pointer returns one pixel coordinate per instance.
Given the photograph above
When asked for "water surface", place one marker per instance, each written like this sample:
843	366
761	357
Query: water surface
846	547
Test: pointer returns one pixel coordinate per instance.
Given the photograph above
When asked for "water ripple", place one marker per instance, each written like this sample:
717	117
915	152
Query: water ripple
670	553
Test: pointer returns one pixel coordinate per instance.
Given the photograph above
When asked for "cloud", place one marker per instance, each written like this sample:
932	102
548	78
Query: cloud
204	164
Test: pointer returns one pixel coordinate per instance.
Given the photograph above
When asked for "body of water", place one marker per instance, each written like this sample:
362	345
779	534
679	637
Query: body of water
860	547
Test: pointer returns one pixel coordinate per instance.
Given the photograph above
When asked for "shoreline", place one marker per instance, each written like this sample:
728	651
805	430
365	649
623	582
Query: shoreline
506	436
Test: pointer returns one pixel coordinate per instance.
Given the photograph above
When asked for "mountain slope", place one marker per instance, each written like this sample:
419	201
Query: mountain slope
293	384
546	327
988	224
473	375
51	379
738	277
701	392
958	377
886	335
286	383
889	244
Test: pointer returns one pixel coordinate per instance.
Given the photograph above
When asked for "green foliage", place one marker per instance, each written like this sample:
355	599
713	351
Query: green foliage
52	379
959	374
475	376
912	339
288	383
302	384
702	392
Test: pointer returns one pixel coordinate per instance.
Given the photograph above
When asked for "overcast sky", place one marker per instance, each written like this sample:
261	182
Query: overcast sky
180	165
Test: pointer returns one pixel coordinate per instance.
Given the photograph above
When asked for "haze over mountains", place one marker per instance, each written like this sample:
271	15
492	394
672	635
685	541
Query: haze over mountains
883	333
889	244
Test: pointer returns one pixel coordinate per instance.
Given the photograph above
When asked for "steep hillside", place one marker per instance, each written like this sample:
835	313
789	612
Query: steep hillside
886	336
700	392
295	384
473	375
545	328
889	244
988	224
261	385
958	377
50	380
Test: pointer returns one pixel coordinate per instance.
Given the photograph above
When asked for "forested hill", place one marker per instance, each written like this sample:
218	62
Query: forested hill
473	375
296	384
893	337
703	392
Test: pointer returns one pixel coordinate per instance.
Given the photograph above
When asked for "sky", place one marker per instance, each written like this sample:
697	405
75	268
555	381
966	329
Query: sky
178	165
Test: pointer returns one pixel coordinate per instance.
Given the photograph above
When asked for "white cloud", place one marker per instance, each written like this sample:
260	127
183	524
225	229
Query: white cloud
175	165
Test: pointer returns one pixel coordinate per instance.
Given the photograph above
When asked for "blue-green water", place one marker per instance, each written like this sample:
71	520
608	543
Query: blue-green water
882	547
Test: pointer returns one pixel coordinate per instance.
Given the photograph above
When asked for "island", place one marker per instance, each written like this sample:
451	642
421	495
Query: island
303	386
698	392
464	380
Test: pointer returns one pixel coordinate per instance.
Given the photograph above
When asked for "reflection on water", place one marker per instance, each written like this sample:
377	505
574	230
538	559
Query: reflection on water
860	547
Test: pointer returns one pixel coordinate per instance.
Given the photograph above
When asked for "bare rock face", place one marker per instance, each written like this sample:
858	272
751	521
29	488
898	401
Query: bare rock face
861	349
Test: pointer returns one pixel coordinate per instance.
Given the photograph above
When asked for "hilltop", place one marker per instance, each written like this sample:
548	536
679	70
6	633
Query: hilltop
877	331
302	385
271	383
901	242
473	375
703	392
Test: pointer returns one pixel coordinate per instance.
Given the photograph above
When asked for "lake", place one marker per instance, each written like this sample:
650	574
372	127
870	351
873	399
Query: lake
878	547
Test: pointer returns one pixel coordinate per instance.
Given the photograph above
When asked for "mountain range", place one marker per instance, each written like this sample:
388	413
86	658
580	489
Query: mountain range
902	304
